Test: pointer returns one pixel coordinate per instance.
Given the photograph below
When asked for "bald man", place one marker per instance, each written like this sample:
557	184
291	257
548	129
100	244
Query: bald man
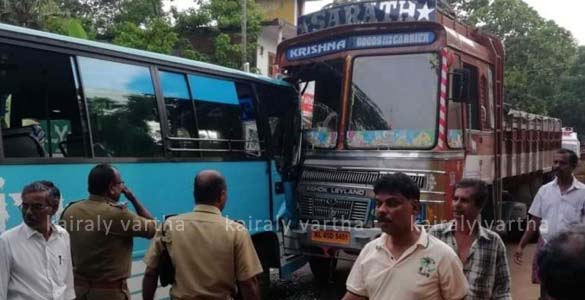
210	253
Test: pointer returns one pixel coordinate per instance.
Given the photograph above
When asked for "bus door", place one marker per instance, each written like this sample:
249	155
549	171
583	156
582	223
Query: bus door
280	105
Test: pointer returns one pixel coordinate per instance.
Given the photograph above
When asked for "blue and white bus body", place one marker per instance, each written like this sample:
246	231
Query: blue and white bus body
258	193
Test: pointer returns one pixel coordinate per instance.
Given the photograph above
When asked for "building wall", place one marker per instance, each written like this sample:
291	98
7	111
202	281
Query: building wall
266	47
279	9
285	11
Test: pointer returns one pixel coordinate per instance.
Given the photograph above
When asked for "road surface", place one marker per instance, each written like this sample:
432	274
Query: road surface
304	287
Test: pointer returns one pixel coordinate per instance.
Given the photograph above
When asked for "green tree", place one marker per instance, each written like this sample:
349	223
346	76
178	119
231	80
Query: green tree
102	17
45	15
183	48
156	36
466	10
98	16
139	11
221	21
28	13
538	52
570	107
66	26
142	24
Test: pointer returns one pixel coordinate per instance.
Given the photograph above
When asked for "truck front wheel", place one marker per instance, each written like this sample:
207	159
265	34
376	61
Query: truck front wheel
322	267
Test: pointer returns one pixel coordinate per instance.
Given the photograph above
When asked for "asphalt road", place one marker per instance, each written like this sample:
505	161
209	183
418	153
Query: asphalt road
304	287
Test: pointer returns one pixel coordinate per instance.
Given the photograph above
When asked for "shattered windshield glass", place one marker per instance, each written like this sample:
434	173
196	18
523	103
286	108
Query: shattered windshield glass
321	86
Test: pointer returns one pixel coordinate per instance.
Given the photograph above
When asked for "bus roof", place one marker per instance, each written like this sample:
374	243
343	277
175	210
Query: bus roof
76	42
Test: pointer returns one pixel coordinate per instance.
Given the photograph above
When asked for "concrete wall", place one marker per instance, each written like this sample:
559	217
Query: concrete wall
265	46
279	9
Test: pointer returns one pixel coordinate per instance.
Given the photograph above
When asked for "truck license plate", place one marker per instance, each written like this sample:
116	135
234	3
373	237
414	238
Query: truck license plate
331	236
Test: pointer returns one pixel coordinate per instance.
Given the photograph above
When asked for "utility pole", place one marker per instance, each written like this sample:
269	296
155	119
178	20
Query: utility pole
244	33
155	8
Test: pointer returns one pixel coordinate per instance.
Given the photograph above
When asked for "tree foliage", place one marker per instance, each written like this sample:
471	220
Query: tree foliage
102	17
570	105
468	10
143	24
67	26
96	14
221	21
156	35
538	51
28	13
41	14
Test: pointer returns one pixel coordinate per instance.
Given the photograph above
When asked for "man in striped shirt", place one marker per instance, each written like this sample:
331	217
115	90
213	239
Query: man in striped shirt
481	250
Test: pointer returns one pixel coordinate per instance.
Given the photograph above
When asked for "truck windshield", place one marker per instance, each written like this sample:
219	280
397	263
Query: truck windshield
394	101
320	86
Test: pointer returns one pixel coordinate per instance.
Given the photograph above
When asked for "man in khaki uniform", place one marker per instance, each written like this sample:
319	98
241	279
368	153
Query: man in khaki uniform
210	253
102	234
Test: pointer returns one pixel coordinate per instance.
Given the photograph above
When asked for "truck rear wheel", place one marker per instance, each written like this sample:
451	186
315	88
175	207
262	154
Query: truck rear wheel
322	267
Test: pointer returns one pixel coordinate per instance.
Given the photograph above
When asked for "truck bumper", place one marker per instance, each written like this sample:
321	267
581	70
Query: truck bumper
349	239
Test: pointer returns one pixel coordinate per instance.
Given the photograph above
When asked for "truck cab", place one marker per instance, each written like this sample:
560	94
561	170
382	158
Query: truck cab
398	86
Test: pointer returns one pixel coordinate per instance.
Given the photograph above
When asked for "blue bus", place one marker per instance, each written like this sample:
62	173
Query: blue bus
67	104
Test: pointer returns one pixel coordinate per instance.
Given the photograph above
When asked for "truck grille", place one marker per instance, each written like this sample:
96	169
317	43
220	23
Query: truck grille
356	177
316	208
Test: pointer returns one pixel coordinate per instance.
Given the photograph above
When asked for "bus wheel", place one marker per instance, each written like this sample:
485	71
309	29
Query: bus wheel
265	283
323	268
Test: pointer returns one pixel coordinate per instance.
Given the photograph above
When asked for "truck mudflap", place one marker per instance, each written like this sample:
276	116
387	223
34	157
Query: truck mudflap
351	239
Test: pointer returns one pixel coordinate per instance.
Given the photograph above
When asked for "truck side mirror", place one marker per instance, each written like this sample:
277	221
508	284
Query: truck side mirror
460	91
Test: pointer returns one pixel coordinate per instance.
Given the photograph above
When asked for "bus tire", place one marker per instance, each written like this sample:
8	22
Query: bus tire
322	267
267	249
263	283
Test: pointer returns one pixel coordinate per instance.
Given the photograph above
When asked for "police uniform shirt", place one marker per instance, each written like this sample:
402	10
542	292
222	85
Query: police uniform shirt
210	254
101	238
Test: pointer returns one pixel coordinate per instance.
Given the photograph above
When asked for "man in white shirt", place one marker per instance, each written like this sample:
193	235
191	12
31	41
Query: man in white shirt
558	206
405	263
35	257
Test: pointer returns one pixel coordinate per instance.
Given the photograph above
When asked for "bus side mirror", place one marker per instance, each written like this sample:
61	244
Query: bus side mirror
460	91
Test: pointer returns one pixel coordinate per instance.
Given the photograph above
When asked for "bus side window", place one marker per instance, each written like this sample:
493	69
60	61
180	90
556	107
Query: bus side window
180	112
122	107
218	115
39	106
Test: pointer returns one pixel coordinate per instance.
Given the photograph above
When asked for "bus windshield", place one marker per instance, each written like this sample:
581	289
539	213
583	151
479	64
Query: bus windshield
394	101
321	86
